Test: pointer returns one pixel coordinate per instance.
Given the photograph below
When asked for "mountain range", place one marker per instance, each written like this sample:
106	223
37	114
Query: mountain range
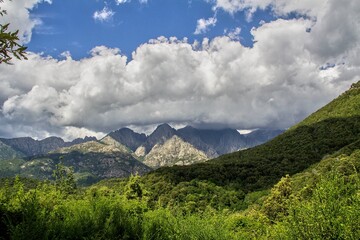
27	146
122	152
212	142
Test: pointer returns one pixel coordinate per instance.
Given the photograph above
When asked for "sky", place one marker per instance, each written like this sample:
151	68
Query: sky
96	66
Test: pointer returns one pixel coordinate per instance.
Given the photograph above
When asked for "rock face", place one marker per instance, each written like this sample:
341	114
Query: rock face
128	137
162	133
213	142
81	140
140	152
174	151
31	147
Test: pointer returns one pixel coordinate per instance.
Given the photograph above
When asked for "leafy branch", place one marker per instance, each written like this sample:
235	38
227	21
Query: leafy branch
9	43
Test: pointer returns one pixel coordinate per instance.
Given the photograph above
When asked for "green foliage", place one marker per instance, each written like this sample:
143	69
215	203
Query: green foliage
277	203
134	188
97	213
330	213
9	43
64	179
251	224
197	196
124	209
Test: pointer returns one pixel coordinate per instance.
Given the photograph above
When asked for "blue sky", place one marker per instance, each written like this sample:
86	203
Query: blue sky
96	66
69	25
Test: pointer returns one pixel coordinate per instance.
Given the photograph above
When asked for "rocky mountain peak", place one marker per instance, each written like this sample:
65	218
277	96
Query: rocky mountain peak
128	137
82	140
162	133
174	151
163	128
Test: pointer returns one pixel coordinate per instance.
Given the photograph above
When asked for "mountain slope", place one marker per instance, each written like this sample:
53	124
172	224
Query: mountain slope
91	161
128	137
324	132
261	136
346	105
7	152
174	152
213	142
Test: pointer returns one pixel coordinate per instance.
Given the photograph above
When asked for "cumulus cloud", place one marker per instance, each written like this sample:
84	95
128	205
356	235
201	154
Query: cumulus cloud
214	83
19	16
203	25
103	15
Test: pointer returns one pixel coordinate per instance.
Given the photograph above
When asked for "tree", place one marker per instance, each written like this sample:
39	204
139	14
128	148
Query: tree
134	188
64	179
9	42
277	204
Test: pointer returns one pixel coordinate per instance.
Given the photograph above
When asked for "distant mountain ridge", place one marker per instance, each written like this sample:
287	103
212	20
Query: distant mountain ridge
212	142
160	148
31	147
120	153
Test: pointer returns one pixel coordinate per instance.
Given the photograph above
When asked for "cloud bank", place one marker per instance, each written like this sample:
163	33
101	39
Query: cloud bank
294	67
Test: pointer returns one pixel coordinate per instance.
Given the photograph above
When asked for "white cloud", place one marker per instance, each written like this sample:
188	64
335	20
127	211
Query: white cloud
71	133
275	83
104	15
118	2
19	16
281	7
203	25
234	34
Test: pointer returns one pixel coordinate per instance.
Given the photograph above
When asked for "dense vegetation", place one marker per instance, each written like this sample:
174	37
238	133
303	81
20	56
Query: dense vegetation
323	206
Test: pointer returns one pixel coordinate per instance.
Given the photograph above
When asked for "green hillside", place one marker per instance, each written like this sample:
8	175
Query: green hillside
324	132
7	152
91	161
346	105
